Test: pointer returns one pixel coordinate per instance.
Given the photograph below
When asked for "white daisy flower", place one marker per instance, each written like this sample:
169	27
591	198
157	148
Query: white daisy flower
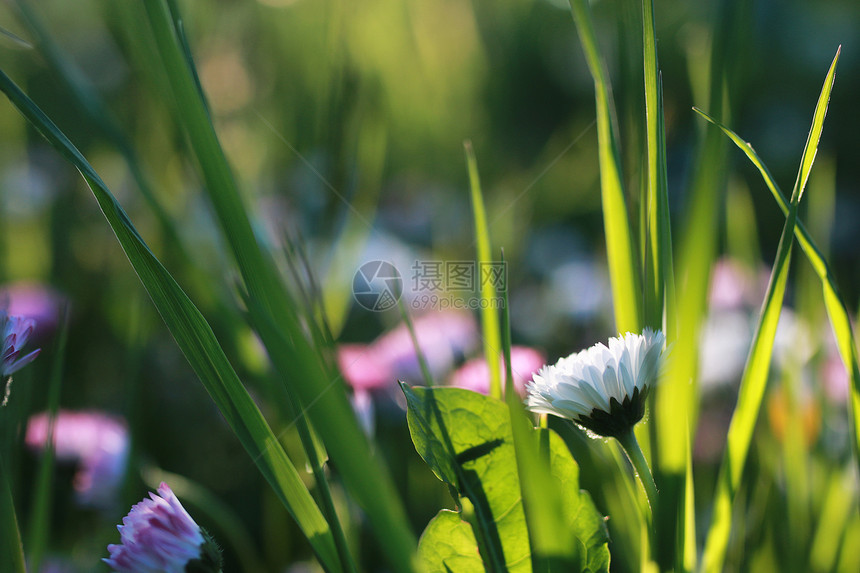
601	388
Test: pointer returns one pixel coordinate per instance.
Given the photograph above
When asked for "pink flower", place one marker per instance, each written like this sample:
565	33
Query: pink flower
475	374
97	442
363	368
158	535
442	336
33	300
15	330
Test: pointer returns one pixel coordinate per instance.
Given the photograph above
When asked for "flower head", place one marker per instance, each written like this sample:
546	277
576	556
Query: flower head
601	388
15	331
96	442
158	535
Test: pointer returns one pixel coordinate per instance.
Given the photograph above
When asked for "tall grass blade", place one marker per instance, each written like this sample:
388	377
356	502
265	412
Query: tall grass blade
658	250
837	311
39	514
758	364
309	382
553	544
12	556
623	261
197	342
489	315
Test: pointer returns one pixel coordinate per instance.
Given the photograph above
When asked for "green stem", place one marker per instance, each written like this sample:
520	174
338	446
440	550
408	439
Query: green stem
9	526
637	458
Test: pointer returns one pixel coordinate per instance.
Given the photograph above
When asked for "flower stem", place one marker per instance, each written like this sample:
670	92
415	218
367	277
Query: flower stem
9	527
637	458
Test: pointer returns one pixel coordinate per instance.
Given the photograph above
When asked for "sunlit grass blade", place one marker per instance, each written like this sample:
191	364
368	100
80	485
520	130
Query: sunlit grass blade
831	527
489	315
197	342
623	261
837	311
39	527
309	382
755	374
323	398
659	248
552	542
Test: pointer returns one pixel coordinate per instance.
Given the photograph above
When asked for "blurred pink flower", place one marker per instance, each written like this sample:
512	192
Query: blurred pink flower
734	285
475	374
16	331
33	300
443	337
365	371
363	368
97	442
158	535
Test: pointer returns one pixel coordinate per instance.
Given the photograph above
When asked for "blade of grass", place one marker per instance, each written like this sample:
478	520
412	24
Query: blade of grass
758	364
677	396
12	557
39	514
97	115
489	315
197	342
331	414
837	311
622	258
552	542
659	245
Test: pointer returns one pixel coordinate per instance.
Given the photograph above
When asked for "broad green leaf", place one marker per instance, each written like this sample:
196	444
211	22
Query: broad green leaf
448	545
758	365
489	315
465	438
197	342
623	262
580	514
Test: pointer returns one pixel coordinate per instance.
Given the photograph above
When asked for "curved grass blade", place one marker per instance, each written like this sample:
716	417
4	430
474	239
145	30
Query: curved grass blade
331	414
756	371
837	311
623	261
489	315
197	342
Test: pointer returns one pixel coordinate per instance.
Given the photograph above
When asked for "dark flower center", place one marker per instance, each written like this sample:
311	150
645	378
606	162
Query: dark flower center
620	418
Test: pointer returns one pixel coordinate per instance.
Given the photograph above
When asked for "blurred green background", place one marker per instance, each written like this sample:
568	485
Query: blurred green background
344	123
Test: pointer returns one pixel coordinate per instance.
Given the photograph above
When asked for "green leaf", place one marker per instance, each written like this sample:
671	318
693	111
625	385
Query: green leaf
623	262
755	374
197	342
448	545
466	439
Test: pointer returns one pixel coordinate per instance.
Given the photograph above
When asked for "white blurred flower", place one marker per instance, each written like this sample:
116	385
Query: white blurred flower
601	388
